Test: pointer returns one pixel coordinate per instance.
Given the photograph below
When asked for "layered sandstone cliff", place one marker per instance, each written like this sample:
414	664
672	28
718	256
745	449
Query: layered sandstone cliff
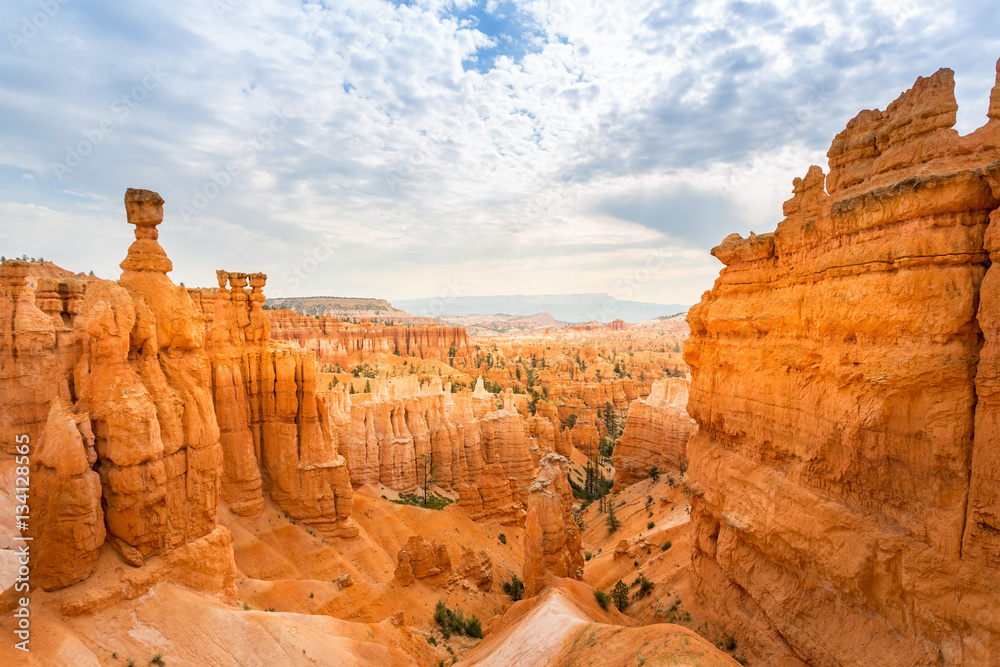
844	383
120	388
656	433
275	430
464	441
335	341
552	545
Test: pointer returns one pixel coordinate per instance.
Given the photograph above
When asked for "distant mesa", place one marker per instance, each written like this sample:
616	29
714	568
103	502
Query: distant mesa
375	310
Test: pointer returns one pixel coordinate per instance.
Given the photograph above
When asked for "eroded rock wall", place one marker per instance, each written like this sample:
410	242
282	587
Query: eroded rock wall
656	433
335	341
552	545
844	383
465	441
121	388
276	430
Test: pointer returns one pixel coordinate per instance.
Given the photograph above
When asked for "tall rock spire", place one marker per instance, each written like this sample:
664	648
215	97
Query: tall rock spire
145	211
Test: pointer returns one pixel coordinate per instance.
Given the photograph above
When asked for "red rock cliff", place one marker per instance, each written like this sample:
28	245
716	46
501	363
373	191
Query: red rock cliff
275	430
484	453
845	386
338	342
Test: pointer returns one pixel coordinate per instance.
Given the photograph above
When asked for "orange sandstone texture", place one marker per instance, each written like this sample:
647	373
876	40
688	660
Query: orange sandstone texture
121	388
551	538
656	433
335	341
419	559
845	387
463	441
275	429
565	626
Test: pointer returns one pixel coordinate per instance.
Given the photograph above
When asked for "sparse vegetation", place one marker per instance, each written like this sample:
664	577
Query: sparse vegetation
654	474
650	524
434	501
453	621
570	421
611	519
645	587
157	660
619	595
587	555
514	588
602	598
666	545
502	538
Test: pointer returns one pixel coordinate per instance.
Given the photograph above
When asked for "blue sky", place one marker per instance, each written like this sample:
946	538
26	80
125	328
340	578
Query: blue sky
413	149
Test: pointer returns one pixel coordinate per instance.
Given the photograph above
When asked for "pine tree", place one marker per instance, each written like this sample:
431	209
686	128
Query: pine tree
612	518
619	595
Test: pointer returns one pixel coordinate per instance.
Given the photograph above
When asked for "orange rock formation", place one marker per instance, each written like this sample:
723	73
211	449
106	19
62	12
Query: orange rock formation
275	431
462	440
551	538
419	559
845	386
336	341
656	433
113	383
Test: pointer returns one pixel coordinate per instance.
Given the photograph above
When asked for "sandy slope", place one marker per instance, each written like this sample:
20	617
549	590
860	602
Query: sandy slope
565	626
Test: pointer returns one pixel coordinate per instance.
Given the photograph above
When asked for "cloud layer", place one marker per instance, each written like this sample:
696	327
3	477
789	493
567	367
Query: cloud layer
391	149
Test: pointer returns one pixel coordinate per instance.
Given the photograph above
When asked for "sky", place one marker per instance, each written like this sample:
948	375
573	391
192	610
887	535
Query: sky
437	148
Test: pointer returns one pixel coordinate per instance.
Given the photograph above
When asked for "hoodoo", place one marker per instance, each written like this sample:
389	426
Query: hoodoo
140	375
844	383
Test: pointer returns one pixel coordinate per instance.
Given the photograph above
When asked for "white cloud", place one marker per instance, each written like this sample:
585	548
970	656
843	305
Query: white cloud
607	128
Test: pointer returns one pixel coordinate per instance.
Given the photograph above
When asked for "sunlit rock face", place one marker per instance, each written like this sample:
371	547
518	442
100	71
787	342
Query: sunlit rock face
846	390
145	403
276	431
657	429
335	341
473	443
551	538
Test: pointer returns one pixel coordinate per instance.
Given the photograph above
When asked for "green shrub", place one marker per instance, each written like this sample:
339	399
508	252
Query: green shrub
453	621
432	641
434	500
503	538
587	555
619	595
157	660
474	628
514	588
649	525
645	587
602	598
666	545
